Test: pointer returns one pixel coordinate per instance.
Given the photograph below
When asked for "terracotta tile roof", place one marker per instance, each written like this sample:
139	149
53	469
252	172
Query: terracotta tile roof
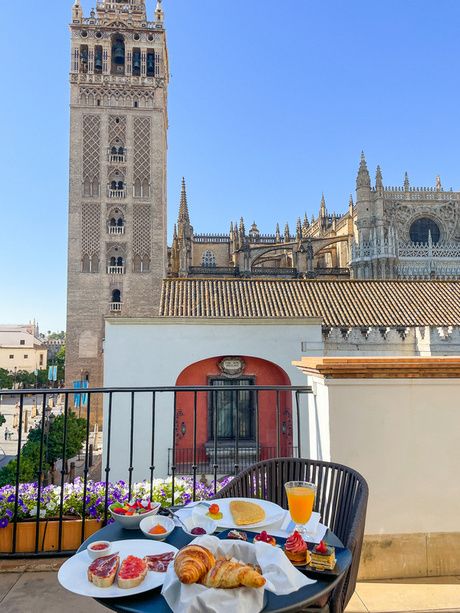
338	303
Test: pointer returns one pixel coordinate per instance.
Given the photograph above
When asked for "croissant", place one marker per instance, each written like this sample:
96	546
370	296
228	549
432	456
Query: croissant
192	563
228	574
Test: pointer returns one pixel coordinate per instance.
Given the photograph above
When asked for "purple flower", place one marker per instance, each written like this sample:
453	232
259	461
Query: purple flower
9	513
11	498
4	522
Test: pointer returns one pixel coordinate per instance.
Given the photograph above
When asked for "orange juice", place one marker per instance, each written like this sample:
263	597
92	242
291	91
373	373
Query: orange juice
300	501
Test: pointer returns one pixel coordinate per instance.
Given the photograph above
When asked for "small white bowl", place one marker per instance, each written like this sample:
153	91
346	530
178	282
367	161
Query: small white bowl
132	522
197	520
148	523
94	554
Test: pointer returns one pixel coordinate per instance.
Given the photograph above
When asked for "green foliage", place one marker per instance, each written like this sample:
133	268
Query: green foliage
6	381
2	419
60	362
28	470
56	336
53	439
52	449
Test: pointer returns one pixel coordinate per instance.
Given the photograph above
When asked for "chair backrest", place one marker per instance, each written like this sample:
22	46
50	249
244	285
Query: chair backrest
341	499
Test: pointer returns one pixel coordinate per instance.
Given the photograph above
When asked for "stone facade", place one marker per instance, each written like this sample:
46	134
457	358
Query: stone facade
390	233
117	253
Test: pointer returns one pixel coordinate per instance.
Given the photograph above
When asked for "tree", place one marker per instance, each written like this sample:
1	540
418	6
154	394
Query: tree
28	469
60	362
6	381
2	420
54	438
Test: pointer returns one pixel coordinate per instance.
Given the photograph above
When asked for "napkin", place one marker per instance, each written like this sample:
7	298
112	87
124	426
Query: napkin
281	576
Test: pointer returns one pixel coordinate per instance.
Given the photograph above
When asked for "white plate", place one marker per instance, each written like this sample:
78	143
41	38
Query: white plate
73	574
273	513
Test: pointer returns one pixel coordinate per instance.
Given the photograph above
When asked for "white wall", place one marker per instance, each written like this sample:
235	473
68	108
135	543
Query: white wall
153	352
403	436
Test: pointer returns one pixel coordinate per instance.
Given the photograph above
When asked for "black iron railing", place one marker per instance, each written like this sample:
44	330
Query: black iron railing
230	460
146	433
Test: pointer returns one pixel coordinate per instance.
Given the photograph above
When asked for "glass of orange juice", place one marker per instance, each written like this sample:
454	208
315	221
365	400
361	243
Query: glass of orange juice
301	497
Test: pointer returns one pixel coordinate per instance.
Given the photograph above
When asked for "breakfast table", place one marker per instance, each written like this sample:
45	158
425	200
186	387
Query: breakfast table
154	601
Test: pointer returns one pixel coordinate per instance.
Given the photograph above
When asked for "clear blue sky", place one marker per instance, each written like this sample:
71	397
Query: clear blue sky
271	102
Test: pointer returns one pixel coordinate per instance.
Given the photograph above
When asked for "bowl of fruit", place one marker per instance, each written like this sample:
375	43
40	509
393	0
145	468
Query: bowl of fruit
130	514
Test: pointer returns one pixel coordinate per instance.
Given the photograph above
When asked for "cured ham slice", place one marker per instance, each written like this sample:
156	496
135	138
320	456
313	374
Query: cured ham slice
132	572
160	562
102	571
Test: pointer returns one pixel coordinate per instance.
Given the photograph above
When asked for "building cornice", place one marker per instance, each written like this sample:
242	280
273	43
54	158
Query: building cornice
394	367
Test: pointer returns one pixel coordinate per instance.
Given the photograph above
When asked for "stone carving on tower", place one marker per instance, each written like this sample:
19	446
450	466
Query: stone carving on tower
117	255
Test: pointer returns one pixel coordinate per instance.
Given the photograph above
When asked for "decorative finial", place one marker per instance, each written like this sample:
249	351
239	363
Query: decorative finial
438	184
159	13
305	225
363	179
242	228
175	232
277	234
350	204
378	178
406	182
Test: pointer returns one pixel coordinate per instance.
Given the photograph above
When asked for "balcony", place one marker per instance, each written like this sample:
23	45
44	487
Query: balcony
117	159
274	272
117	194
116	270
116	230
115	307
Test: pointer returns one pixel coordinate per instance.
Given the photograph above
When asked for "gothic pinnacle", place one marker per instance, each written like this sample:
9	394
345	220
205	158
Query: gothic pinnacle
378	178
298	231
277	234
406	182
242	228
175	232
183	208
322	208
350	204
287	234
363	179
305	225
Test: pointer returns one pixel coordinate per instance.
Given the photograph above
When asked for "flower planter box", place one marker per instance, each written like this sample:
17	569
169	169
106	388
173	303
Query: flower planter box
48	535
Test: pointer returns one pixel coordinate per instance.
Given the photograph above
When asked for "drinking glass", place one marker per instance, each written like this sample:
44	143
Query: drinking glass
301	497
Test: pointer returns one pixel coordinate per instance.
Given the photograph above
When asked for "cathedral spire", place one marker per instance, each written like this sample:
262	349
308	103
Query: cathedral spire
242	228
277	234
350	205
175	232
406	182
363	179
378	178
183	208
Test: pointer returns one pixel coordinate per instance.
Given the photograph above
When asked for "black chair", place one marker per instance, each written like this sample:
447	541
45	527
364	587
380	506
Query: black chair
341	499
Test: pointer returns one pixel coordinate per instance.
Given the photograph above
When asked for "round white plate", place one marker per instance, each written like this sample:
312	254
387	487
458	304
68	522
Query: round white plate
73	574
273	513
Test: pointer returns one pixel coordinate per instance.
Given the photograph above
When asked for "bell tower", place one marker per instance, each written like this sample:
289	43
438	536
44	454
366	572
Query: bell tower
117	252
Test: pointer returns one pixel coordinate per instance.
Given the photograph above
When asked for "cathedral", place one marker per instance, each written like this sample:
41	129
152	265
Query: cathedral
390	233
118	257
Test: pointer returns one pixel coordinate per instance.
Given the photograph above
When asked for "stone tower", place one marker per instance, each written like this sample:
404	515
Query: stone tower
117	253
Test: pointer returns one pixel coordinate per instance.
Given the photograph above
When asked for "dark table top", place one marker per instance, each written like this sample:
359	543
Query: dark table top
153	601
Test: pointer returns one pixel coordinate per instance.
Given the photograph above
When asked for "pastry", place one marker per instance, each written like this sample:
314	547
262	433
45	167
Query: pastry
214	512
102	571
323	557
264	537
192	563
296	550
237	535
229	574
246	513
132	572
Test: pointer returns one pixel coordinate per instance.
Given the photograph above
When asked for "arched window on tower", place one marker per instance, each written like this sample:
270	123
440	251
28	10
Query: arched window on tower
115	304
118	54
98	59
86	264
208	259
137	188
